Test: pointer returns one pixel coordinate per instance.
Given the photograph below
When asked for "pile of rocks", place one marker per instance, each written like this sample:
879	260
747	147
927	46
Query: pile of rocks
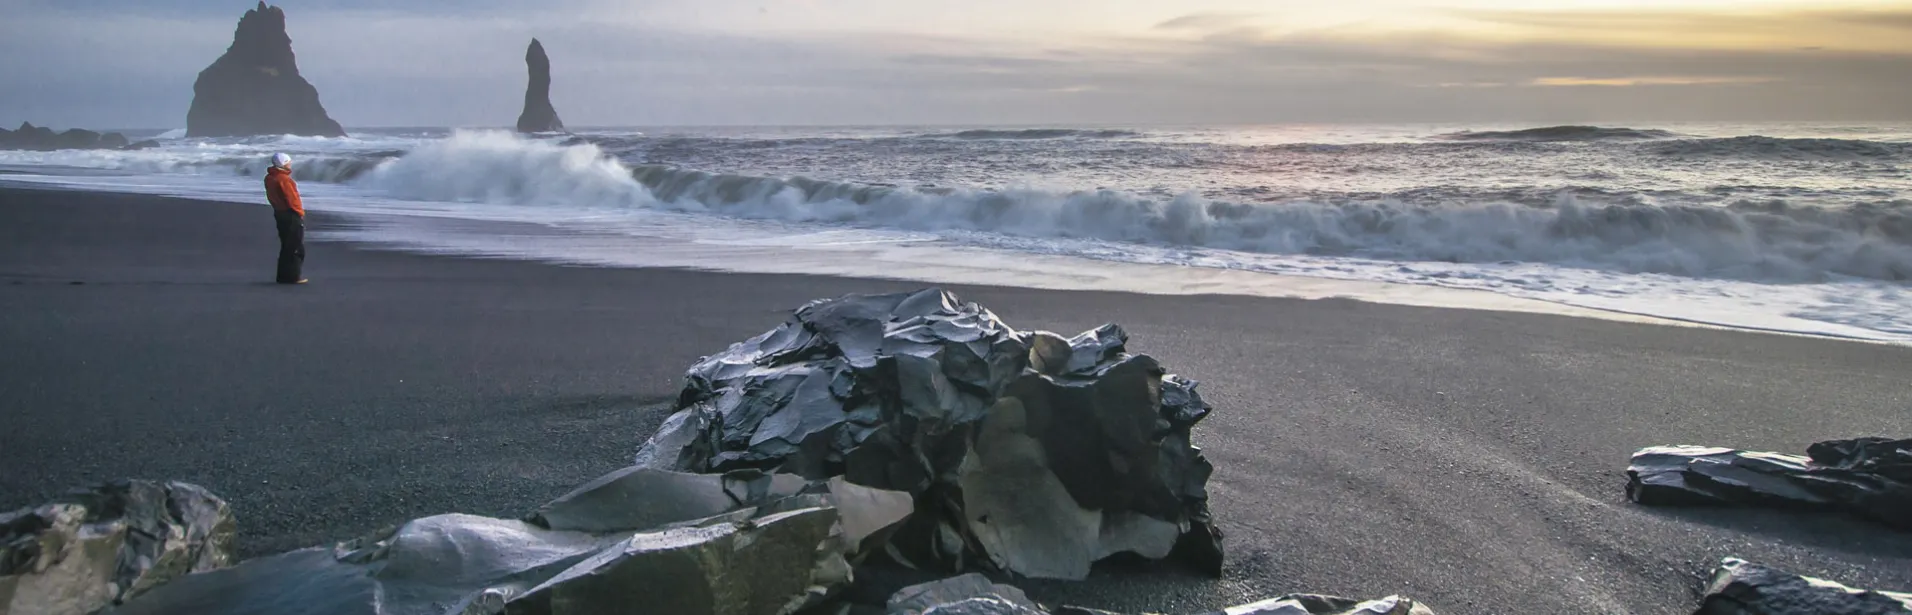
99	547
909	431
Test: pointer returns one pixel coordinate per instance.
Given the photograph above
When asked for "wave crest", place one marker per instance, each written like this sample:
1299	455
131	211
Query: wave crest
1562	133
1768	240
1039	133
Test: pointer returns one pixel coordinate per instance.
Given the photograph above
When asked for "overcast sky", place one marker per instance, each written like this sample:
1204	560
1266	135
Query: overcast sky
131	63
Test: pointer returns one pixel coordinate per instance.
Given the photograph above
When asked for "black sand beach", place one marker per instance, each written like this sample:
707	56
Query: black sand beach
1473	460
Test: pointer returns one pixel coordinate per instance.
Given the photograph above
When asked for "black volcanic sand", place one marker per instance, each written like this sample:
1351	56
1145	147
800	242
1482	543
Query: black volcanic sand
1474	460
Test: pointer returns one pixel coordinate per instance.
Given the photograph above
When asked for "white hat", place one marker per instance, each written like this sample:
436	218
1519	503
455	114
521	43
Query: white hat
282	161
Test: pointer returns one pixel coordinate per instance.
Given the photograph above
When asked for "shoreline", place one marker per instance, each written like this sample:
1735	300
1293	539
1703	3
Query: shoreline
981	268
1466	458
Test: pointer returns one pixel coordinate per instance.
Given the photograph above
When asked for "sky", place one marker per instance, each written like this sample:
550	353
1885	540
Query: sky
131	63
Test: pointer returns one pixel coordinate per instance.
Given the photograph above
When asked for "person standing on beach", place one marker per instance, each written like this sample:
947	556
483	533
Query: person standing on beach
289	212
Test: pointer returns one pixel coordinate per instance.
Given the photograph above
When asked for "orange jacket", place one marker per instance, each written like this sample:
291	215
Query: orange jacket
283	192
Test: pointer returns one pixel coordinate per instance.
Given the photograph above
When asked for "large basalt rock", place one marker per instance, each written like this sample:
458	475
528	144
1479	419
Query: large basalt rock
1869	477
94	548
255	88
634	541
1739	587
1028	453
538	114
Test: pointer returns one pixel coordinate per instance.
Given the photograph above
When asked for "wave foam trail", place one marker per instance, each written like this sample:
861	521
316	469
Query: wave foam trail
1766	241
1757	241
500	168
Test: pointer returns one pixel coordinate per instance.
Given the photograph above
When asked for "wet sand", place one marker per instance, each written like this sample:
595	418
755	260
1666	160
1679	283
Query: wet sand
1471	459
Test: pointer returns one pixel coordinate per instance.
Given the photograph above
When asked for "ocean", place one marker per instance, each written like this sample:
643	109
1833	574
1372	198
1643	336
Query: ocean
1803	228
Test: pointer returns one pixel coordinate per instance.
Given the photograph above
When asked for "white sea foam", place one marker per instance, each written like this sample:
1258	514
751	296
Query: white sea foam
1799	265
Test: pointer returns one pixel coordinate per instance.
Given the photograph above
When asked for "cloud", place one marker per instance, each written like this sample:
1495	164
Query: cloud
1208	22
427	65
1640	81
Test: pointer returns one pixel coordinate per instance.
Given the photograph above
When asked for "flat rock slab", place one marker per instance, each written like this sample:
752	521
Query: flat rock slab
1867	477
1740	587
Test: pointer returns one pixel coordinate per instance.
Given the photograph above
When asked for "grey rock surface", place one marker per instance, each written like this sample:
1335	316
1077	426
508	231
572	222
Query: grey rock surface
97	547
255	87
969	594
1739	587
638	540
1025	452
1868	477
538	114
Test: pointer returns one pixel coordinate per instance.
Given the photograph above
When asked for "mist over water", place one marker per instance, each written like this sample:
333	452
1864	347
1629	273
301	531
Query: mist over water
1763	225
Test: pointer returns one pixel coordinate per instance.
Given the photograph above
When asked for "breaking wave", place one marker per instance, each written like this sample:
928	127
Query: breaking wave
1562	133
1040	133
1787	149
1771	241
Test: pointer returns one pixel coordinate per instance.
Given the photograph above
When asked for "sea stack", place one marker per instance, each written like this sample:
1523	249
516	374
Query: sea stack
539	115
255	88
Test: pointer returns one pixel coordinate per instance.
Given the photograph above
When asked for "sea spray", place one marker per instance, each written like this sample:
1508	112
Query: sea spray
500	168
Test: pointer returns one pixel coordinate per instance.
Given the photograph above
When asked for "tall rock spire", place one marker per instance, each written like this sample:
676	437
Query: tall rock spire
539	115
255	88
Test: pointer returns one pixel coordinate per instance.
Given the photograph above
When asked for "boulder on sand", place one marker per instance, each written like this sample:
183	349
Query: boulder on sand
255	88
1026	452
1739	587
98	547
538	115
1868	477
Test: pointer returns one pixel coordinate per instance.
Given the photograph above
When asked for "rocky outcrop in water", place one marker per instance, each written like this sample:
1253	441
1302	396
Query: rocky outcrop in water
538	115
1027	452
99	547
30	137
1868	477
255	88
1739	587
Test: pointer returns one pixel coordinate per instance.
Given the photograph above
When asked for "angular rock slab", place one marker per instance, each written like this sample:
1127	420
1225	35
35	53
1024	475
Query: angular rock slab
102	546
769	564
969	594
1739	587
1868	477
775	565
638	498
1025	452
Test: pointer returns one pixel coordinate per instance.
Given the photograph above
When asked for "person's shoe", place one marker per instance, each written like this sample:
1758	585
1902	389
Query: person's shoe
301	281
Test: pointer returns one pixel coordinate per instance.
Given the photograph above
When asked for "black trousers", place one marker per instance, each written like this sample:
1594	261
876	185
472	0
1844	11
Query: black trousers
291	245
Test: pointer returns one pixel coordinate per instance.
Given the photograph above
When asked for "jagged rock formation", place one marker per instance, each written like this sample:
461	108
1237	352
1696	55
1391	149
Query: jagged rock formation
1868	477
30	137
538	115
1740	587
1026	452
103	546
255	88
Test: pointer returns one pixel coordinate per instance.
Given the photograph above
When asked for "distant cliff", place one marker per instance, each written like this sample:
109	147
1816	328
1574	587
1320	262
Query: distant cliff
32	137
539	115
255	88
